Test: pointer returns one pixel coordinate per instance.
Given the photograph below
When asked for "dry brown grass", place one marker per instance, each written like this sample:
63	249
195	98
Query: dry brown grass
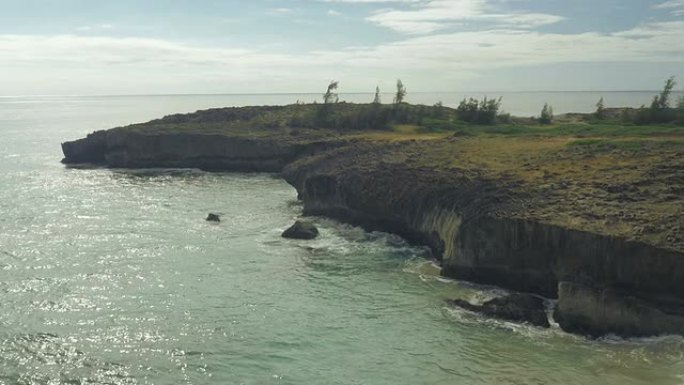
626	187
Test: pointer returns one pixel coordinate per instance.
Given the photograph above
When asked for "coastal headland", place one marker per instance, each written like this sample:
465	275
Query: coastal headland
587	210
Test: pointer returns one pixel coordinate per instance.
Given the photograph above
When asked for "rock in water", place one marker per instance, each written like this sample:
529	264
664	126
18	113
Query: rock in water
515	307
301	230
213	218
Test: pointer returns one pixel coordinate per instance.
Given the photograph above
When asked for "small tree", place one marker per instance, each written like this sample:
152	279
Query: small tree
480	112
489	109
467	110
662	101
401	92
680	113
659	111
324	114
330	95
377	99
546	116
600	109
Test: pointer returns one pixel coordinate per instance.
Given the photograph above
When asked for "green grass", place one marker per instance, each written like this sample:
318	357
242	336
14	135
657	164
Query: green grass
617	129
602	145
350	118
602	129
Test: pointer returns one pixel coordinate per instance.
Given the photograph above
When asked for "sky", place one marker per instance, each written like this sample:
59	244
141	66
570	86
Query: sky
123	47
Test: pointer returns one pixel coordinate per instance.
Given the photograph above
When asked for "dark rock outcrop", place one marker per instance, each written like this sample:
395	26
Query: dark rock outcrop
301	230
124	148
213	218
131	149
91	149
515	307
597	311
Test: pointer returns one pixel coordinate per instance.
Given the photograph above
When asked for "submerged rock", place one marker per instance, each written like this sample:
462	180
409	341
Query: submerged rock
213	218
515	307
301	230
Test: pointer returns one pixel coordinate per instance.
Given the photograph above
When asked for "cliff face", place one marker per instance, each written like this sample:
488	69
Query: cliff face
91	149
604	284
122	148
479	227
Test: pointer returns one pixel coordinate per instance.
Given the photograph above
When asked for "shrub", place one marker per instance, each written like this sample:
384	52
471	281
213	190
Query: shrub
489	109
401	92
377	99
662	101
330	95
653	115
660	110
467	110
626	116
504	117
600	110
480	112
438	111
546	116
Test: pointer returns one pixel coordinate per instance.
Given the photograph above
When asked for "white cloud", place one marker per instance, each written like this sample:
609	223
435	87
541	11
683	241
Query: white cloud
333	12
88	64
371	1
410	27
73	49
97	28
433	15
497	48
670	4
281	11
677	6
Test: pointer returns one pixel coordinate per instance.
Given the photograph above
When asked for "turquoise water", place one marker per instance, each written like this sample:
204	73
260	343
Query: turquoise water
114	277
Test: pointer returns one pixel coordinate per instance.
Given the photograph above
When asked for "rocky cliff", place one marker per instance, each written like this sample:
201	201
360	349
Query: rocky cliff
121	148
480	230
501	228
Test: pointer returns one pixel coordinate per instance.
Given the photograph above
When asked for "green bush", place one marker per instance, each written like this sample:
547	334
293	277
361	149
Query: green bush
504	118
653	115
546	116
467	110
479	112
660	111
600	113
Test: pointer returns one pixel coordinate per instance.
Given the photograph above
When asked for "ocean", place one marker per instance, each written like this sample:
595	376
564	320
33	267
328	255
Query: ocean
114	276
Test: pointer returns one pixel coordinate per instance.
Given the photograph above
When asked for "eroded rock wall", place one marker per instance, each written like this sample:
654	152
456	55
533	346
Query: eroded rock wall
603	284
122	148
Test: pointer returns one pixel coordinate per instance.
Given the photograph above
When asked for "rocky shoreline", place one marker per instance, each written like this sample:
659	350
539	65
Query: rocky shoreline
481	227
604	284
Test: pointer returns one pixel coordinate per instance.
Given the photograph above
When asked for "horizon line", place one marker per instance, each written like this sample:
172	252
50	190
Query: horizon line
315	93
